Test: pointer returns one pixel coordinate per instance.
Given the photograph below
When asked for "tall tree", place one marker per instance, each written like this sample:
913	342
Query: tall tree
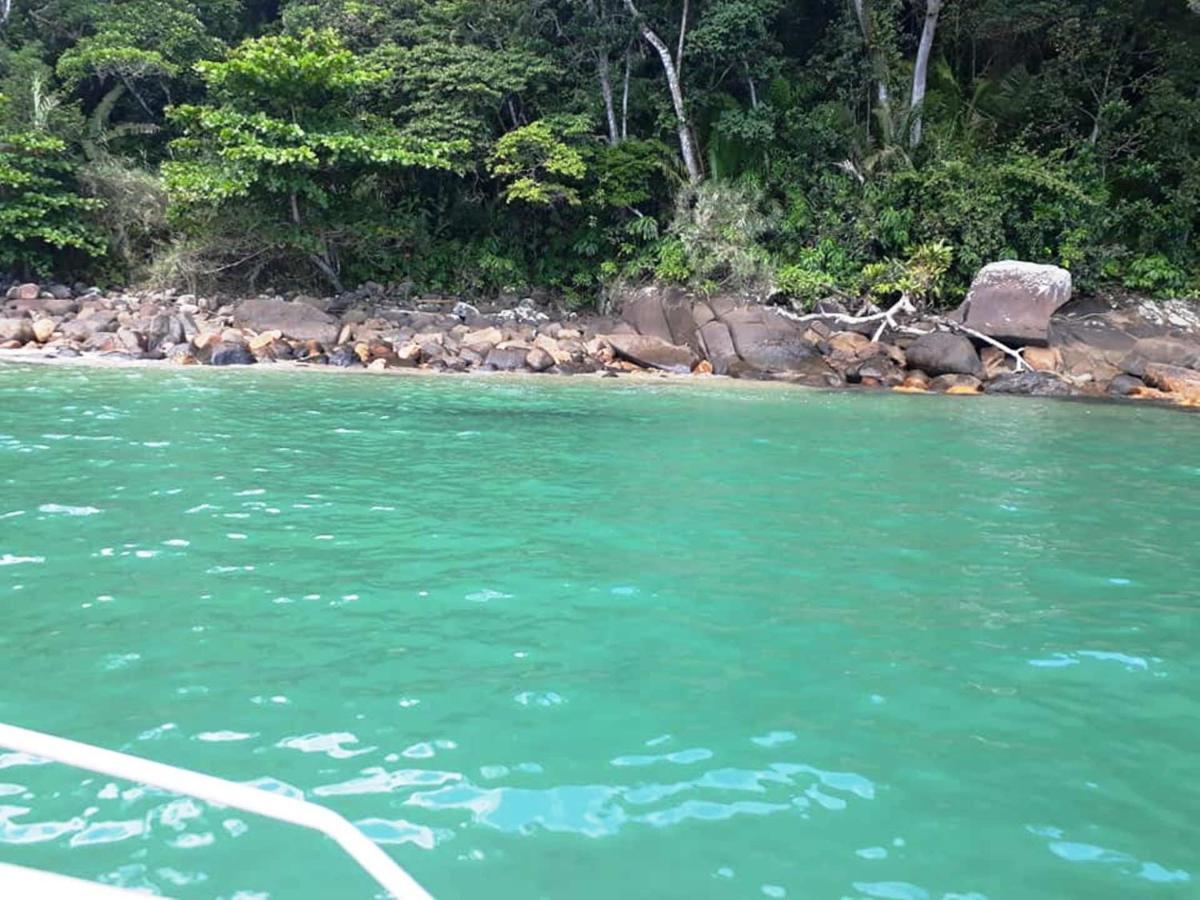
672	67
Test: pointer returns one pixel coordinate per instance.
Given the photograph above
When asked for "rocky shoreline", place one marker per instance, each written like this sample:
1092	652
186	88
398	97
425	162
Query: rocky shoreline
1018	333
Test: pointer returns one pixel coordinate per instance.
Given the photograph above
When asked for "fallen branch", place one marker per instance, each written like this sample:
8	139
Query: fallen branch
904	305
980	336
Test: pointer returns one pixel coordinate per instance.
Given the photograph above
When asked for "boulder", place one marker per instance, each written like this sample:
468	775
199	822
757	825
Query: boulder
943	353
1031	384
298	321
717	346
130	340
651	352
59	292
1013	301
539	360
766	340
915	381
49	306
231	353
1167	351
16	330
483	337
28	291
506	359
1126	385
165	328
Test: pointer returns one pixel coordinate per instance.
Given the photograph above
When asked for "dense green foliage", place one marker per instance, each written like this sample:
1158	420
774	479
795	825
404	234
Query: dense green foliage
811	148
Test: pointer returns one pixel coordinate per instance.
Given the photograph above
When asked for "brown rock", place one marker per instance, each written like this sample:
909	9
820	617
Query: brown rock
264	340
130	340
490	336
704	367
1182	384
27	291
916	380
996	362
651	352
955	383
1169	351
43	330
847	342
1043	359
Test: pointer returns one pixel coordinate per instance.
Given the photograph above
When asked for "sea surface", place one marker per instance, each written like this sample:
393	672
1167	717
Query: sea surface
580	639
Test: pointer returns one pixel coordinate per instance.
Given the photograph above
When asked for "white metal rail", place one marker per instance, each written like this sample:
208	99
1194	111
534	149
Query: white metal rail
249	799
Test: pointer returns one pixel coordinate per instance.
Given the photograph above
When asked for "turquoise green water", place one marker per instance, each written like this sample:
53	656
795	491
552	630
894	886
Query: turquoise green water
586	640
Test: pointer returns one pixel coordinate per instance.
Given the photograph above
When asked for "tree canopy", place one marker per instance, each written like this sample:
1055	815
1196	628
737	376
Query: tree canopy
480	146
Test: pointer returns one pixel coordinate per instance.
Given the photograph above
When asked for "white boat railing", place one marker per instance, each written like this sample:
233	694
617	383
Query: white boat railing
218	791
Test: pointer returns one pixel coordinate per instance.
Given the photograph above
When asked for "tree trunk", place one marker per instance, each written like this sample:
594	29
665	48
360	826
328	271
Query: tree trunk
625	95
606	91
933	9
320	261
879	67
687	147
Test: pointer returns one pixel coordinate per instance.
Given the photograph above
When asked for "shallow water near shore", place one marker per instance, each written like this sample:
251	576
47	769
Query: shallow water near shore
550	638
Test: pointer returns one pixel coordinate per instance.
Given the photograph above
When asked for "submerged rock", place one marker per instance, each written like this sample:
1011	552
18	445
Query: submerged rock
1032	384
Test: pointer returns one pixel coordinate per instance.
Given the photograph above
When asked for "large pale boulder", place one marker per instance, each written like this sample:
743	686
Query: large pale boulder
297	321
1013	301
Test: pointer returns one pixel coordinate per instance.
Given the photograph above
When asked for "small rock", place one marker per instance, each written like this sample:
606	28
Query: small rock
344	356
377	365
954	383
